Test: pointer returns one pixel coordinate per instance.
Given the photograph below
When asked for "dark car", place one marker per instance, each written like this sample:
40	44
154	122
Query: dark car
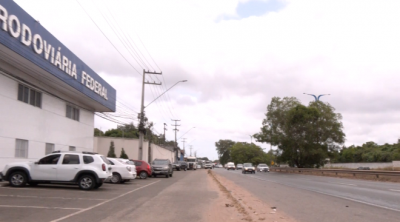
162	167
180	165
143	169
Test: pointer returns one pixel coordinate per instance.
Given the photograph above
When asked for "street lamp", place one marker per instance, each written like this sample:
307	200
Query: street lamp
140	156
317	98
186	132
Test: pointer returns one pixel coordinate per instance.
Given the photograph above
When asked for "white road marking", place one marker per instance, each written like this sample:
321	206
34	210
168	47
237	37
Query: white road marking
337	196
394	190
347	184
64	198
104	202
38	207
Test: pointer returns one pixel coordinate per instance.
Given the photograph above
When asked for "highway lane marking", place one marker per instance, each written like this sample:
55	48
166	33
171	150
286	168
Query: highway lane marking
347	184
104	202
394	190
39	207
64	198
337	196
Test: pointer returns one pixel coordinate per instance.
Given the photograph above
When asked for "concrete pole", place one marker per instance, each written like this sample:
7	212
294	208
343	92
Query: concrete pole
141	135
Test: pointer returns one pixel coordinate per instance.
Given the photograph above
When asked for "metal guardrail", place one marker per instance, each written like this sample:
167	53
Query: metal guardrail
377	173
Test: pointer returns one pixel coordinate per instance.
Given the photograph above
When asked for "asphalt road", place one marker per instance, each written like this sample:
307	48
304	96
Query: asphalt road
180	198
316	198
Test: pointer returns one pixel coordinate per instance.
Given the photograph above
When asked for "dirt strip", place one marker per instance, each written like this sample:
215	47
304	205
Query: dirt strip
237	204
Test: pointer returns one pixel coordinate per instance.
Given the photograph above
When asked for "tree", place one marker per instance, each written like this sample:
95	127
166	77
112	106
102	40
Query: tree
123	154
98	132
243	152
111	151
223	149
306	135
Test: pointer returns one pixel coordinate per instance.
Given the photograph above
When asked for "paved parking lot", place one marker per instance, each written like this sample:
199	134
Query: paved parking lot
139	200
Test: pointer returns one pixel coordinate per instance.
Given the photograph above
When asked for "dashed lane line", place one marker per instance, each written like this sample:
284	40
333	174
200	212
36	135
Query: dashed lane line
104	202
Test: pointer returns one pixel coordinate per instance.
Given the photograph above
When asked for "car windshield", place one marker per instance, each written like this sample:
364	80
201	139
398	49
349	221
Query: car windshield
191	160
262	165
247	165
160	162
240	164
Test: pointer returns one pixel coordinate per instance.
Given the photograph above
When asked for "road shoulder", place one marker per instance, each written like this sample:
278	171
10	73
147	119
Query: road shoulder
236	204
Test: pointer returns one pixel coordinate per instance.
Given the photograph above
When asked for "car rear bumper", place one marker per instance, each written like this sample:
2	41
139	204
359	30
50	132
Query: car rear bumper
106	180
161	172
248	170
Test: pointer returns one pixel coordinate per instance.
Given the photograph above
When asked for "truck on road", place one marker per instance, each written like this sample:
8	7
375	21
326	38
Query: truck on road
192	162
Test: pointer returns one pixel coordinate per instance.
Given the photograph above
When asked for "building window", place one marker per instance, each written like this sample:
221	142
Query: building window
72	148
30	96
72	113
49	148
21	148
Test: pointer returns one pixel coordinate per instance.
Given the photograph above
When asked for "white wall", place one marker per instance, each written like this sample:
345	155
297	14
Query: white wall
131	147
356	165
39	126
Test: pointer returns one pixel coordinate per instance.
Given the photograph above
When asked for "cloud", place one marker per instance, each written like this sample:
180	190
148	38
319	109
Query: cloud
349	49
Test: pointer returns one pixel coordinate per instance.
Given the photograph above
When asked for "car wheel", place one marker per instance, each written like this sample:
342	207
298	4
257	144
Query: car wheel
116	178
87	182
143	175
171	174
167	175
18	179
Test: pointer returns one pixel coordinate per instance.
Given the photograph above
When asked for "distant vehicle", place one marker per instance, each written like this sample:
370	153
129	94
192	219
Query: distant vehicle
208	165
87	170
248	167
230	166
180	165
162	167
198	166
143	169
239	166
219	166
363	168
192	162
262	167
121	172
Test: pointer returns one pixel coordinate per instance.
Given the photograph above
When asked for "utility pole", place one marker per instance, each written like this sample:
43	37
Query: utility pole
183	140
141	114
176	130
165	125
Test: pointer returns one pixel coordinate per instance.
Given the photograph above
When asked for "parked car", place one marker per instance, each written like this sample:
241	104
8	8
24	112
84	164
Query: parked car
262	167
239	166
162	167
248	167
87	170
230	166
143	169
180	165
121	172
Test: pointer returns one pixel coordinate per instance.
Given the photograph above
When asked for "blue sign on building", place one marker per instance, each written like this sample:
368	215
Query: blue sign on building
25	36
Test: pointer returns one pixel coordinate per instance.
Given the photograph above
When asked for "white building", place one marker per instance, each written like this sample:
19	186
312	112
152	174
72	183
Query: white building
48	96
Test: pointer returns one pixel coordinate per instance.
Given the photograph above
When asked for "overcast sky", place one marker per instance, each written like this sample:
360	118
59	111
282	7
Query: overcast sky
236	56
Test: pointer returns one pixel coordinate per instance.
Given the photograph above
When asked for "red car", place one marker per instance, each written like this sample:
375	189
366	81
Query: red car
143	169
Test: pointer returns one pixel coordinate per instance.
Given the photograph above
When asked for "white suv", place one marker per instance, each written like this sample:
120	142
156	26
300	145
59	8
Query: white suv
88	170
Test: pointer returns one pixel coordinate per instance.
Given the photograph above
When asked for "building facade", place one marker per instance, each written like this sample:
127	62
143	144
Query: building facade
48	96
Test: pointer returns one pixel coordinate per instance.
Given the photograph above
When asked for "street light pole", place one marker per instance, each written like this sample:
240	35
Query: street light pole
142	107
317	97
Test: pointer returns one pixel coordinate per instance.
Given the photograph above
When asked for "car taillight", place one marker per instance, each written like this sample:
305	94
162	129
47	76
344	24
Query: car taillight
103	166
128	168
148	167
